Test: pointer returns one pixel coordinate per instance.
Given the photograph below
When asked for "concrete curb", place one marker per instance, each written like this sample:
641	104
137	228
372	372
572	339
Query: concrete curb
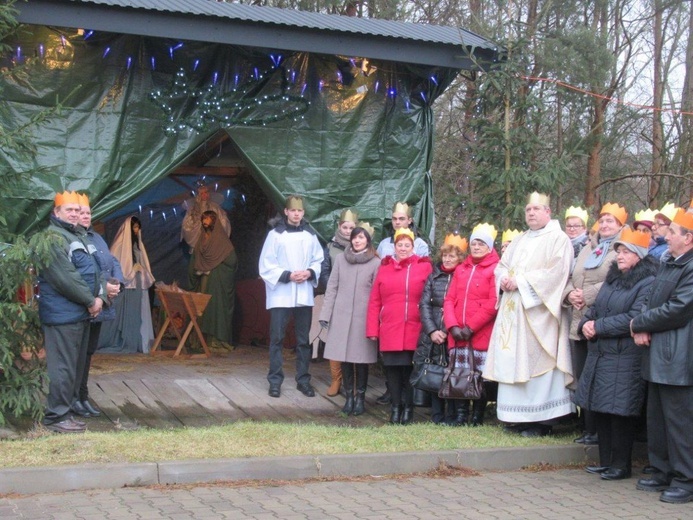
56	479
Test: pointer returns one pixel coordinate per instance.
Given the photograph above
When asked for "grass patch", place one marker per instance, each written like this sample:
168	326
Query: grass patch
252	439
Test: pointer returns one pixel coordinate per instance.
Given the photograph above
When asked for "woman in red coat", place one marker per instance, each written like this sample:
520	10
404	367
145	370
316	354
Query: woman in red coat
470	309
393	319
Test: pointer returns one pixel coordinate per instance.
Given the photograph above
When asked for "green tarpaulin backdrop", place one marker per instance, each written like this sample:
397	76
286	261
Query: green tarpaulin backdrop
364	142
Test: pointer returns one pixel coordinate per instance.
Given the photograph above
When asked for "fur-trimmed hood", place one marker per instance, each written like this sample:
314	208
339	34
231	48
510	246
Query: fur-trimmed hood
646	267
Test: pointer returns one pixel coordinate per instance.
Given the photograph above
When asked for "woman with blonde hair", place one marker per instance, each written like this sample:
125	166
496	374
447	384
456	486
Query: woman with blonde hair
394	320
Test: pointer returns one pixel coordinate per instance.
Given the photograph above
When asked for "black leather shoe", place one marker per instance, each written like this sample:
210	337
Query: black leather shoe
306	389
275	391
649	470
78	422
540	430
652	484
596	470
675	495
79	409
516	428
590	439
385	398
66	426
93	410
615	474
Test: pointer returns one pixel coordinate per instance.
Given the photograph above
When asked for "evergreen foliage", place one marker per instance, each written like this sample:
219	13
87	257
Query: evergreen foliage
23	378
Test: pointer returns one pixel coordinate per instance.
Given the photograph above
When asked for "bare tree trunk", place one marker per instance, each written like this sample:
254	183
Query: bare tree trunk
657	130
594	158
687	106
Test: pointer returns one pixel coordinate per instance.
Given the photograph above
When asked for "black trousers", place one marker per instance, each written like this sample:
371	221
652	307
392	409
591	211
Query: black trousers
578	354
279	319
616	438
397	377
670	432
66	350
94	331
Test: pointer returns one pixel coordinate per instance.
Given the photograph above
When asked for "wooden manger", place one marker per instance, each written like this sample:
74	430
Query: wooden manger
188	306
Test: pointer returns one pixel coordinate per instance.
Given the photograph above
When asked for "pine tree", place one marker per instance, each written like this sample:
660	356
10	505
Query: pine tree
23	378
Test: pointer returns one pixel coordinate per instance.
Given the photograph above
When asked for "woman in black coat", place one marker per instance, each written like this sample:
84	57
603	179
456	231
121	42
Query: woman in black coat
611	384
433	340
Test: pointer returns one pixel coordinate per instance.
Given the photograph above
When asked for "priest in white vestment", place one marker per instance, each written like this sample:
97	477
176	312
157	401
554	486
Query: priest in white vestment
529	352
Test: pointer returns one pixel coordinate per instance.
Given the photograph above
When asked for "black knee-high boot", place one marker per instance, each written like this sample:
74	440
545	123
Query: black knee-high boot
462	415
348	382
479	411
361	386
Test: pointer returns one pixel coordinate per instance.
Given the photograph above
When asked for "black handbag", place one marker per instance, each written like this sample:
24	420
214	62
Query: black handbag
461	380
428	375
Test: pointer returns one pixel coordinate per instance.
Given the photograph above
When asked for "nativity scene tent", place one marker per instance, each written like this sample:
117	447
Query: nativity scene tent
335	108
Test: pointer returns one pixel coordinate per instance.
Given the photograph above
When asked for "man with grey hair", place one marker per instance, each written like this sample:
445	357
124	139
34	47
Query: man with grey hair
665	330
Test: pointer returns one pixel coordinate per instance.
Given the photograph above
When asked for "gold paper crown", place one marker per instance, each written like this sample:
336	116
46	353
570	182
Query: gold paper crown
404	232
367	227
509	234
66	197
538	198
646	215
683	219
486	229
637	238
294	202
83	200
348	216
616	211
577	212
401	207
668	211
456	240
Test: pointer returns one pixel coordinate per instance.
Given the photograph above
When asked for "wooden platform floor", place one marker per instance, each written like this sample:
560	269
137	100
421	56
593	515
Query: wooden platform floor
142	391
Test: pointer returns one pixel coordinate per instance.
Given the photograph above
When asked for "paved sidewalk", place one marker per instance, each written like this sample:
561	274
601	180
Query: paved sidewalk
560	494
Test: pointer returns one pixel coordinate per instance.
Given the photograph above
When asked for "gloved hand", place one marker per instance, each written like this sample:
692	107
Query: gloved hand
457	333
466	333
323	324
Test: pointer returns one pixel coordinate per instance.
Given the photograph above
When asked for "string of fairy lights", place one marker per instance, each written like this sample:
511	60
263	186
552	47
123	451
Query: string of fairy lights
217	105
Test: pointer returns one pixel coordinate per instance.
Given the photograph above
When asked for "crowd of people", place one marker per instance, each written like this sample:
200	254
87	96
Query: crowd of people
566	318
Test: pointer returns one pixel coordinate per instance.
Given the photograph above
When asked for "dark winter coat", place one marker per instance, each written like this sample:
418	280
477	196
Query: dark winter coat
110	268
669	358
611	381
393	306
431	311
471	300
72	280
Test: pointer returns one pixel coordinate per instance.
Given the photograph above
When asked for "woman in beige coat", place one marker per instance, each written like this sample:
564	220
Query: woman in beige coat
344	313
589	273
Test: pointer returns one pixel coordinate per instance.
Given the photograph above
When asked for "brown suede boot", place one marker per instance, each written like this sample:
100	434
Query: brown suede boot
336	372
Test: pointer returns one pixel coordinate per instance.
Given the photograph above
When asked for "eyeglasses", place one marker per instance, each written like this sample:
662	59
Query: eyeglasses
570	226
659	224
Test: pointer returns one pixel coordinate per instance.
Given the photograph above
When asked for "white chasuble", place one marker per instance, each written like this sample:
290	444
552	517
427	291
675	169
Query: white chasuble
530	335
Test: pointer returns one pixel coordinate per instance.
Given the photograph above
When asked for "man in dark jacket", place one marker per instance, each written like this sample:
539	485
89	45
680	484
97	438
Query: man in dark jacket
71	293
667	329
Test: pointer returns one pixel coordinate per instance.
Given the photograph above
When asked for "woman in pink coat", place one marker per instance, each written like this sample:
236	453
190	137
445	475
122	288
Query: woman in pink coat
470	310
393	319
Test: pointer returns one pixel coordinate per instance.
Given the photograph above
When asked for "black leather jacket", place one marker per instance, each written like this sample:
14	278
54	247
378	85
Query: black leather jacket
669	358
